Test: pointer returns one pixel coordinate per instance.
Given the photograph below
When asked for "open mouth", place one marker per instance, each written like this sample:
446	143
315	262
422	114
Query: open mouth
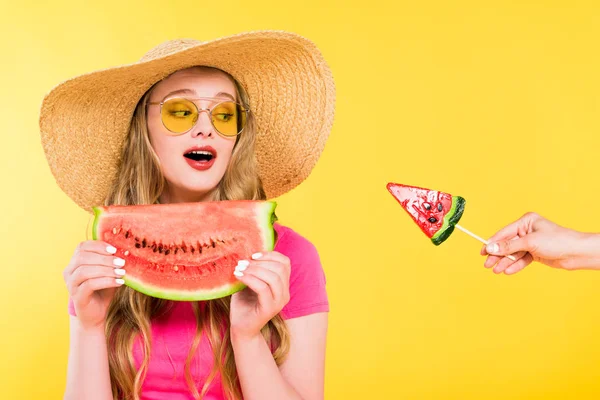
200	155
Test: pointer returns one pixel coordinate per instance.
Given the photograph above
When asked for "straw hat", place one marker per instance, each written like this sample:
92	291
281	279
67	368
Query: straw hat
84	120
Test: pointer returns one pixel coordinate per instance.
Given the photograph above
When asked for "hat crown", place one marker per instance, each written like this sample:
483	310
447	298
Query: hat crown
169	47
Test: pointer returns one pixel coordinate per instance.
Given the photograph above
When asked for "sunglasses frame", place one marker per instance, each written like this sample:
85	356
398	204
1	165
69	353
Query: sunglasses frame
200	110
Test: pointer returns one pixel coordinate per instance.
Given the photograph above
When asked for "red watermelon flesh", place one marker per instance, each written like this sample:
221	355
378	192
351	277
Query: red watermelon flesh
435	212
186	251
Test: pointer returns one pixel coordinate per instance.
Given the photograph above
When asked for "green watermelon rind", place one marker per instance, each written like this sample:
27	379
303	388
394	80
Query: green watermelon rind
223	291
268	228
269	218
450	220
97	214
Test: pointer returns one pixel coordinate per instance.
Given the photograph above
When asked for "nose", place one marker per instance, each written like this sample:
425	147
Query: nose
203	124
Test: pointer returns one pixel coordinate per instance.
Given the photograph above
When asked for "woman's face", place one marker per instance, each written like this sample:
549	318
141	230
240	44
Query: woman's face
192	163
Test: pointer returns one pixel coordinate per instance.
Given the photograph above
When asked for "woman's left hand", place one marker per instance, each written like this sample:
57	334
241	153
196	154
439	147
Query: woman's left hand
267	276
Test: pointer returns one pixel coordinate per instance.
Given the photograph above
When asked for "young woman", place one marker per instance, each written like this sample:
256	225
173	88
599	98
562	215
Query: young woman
176	127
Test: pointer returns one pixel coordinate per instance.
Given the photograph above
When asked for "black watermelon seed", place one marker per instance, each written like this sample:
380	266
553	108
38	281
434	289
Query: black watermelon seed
167	252
192	249
176	250
137	245
127	235
427	206
144	243
440	208
433	220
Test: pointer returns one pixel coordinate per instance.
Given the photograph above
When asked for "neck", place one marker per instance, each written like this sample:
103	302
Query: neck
183	196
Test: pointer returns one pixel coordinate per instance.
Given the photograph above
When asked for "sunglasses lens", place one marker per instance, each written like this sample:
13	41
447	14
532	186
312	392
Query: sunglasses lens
179	115
229	118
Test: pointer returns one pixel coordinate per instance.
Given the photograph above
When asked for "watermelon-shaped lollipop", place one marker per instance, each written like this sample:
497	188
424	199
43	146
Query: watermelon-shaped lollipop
436	213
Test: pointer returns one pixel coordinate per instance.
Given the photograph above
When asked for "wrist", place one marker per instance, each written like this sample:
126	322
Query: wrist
588	254
240	337
91	330
593	250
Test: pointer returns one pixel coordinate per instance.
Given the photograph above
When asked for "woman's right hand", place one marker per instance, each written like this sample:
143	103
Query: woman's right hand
534	238
92	277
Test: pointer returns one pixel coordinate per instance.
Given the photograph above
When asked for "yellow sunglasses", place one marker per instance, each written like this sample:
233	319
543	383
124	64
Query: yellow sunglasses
179	115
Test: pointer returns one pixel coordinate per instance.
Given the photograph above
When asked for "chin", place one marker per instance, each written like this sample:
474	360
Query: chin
200	188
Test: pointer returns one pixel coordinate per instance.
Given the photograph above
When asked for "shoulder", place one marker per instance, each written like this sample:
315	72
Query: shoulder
295	246
307	278
304	258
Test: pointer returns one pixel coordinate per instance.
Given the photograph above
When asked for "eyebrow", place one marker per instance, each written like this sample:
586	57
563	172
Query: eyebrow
189	91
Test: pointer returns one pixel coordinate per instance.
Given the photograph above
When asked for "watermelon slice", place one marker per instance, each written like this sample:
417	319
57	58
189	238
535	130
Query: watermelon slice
186	251
436	213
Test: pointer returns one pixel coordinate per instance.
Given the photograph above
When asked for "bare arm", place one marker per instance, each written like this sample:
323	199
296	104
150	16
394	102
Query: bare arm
87	374
535	238
301	376
267	278
91	278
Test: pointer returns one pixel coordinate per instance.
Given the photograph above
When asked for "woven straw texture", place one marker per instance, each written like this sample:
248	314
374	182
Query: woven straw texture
84	120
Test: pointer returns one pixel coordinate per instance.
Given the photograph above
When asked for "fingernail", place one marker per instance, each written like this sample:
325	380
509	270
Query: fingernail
111	250
242	265
237	273
119	262
492	248
256	256
120	281
120	271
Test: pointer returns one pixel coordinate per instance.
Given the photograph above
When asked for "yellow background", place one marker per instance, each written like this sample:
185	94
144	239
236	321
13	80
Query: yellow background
499	103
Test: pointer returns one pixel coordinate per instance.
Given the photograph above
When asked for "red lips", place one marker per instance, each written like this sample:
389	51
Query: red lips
200	158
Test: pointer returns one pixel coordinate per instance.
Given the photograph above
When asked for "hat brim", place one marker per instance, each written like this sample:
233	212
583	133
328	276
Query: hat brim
84	121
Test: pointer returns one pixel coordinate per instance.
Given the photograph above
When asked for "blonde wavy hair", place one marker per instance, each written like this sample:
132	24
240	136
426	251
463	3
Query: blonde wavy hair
130	313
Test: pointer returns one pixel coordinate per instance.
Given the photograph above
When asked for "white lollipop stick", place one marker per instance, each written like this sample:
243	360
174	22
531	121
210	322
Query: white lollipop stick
478	238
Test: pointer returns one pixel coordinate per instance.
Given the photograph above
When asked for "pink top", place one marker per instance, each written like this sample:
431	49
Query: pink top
172	334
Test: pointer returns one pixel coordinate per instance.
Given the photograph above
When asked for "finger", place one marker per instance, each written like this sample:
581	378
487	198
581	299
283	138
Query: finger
271	256
507	247
509	231
491	261
97	259
520	264
97	246
274	280
258	286
85	272
275	266
482	251
87	259
90	286
84	249
517	228
507	262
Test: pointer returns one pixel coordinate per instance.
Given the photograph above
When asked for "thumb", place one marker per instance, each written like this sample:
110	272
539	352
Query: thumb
506	247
